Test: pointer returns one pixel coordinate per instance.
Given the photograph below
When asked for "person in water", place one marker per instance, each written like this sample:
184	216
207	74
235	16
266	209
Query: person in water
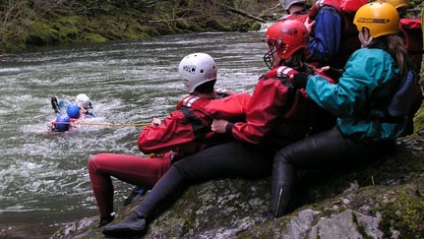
63	121
185	131
82	100
69	112
277	115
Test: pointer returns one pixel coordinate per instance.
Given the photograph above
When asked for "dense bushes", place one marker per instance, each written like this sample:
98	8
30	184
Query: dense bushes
46	22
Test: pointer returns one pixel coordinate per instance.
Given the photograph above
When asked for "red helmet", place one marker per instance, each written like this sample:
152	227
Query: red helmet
285	38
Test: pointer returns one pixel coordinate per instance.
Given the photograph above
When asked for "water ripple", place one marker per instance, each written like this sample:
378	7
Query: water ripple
128	82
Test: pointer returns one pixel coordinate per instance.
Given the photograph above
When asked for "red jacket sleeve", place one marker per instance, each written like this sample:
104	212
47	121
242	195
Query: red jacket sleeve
265	107
232	106
174	131
177	130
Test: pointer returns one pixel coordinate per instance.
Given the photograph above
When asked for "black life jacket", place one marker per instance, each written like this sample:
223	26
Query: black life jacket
406	100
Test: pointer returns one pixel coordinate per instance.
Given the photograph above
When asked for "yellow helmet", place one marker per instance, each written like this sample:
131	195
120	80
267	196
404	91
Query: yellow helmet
396	3
380	18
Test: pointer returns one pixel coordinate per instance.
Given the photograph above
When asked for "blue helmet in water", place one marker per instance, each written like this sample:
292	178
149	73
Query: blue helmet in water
62	123
73	111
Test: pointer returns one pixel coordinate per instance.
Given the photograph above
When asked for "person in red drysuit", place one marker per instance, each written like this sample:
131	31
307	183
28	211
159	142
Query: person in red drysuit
277	115
185	131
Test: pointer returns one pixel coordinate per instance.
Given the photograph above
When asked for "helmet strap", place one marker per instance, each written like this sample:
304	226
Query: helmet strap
269	58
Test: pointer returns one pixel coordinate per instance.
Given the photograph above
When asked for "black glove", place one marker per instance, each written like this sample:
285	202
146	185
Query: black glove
55	105
300	79
334	73
229	128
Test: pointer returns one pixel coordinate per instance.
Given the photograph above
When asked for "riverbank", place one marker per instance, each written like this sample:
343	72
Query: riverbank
27	26
379	200
92	22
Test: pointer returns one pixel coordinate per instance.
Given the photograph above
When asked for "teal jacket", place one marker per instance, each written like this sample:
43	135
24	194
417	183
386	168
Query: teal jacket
361	96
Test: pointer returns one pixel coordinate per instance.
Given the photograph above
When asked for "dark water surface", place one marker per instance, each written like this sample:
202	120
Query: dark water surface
43	178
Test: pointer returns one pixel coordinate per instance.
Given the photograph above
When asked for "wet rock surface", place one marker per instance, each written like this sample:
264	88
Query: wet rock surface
380	200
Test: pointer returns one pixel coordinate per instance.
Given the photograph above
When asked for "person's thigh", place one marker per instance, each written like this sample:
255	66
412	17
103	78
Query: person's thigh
326	149
132	169
226	160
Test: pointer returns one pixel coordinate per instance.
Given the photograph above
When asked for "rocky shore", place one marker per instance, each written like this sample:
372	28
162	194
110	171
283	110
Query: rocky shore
381	200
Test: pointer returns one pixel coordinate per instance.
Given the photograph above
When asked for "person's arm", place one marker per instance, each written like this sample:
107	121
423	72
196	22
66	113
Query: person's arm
265	106
326	40
230	107
365	71
174	131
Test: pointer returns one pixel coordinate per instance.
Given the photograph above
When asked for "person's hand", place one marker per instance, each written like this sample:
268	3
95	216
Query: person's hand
309	24
324	69
156	155
332	73
82	111
300	79
218	126
156	122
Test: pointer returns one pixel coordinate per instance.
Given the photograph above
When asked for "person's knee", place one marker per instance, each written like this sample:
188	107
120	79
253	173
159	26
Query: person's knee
94	162
178	168
181	170
282	157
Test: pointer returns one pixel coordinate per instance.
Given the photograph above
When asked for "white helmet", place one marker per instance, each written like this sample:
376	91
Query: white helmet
83	101
196	69
287	3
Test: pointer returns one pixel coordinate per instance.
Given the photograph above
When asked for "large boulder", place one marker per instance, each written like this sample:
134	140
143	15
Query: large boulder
380	200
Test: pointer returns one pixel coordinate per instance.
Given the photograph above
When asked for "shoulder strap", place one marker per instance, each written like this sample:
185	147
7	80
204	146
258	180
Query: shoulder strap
199	129
406	101
403	98
191	101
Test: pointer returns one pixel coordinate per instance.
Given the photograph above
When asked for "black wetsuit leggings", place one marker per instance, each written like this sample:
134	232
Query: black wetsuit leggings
226	160
322	151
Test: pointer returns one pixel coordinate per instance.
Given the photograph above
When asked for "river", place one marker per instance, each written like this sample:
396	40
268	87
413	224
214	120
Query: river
44	180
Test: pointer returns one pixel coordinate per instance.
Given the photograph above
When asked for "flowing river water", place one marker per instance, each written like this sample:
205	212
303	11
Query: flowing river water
43	178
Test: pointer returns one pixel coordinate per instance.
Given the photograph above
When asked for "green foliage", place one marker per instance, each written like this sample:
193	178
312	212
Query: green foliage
112	7
92	37
41	33
15	17
45	22
74	20
69	29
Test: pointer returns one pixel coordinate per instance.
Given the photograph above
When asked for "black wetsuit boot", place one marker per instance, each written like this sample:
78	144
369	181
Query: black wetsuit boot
283	178
136	223
133	225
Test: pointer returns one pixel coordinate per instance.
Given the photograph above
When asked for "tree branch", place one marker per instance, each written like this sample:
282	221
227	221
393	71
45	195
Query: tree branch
238	11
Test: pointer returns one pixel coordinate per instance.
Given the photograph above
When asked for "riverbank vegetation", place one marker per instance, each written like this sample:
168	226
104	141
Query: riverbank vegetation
32	23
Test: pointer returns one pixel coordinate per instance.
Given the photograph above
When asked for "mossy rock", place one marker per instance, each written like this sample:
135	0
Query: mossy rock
217	25
383	199
96	38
